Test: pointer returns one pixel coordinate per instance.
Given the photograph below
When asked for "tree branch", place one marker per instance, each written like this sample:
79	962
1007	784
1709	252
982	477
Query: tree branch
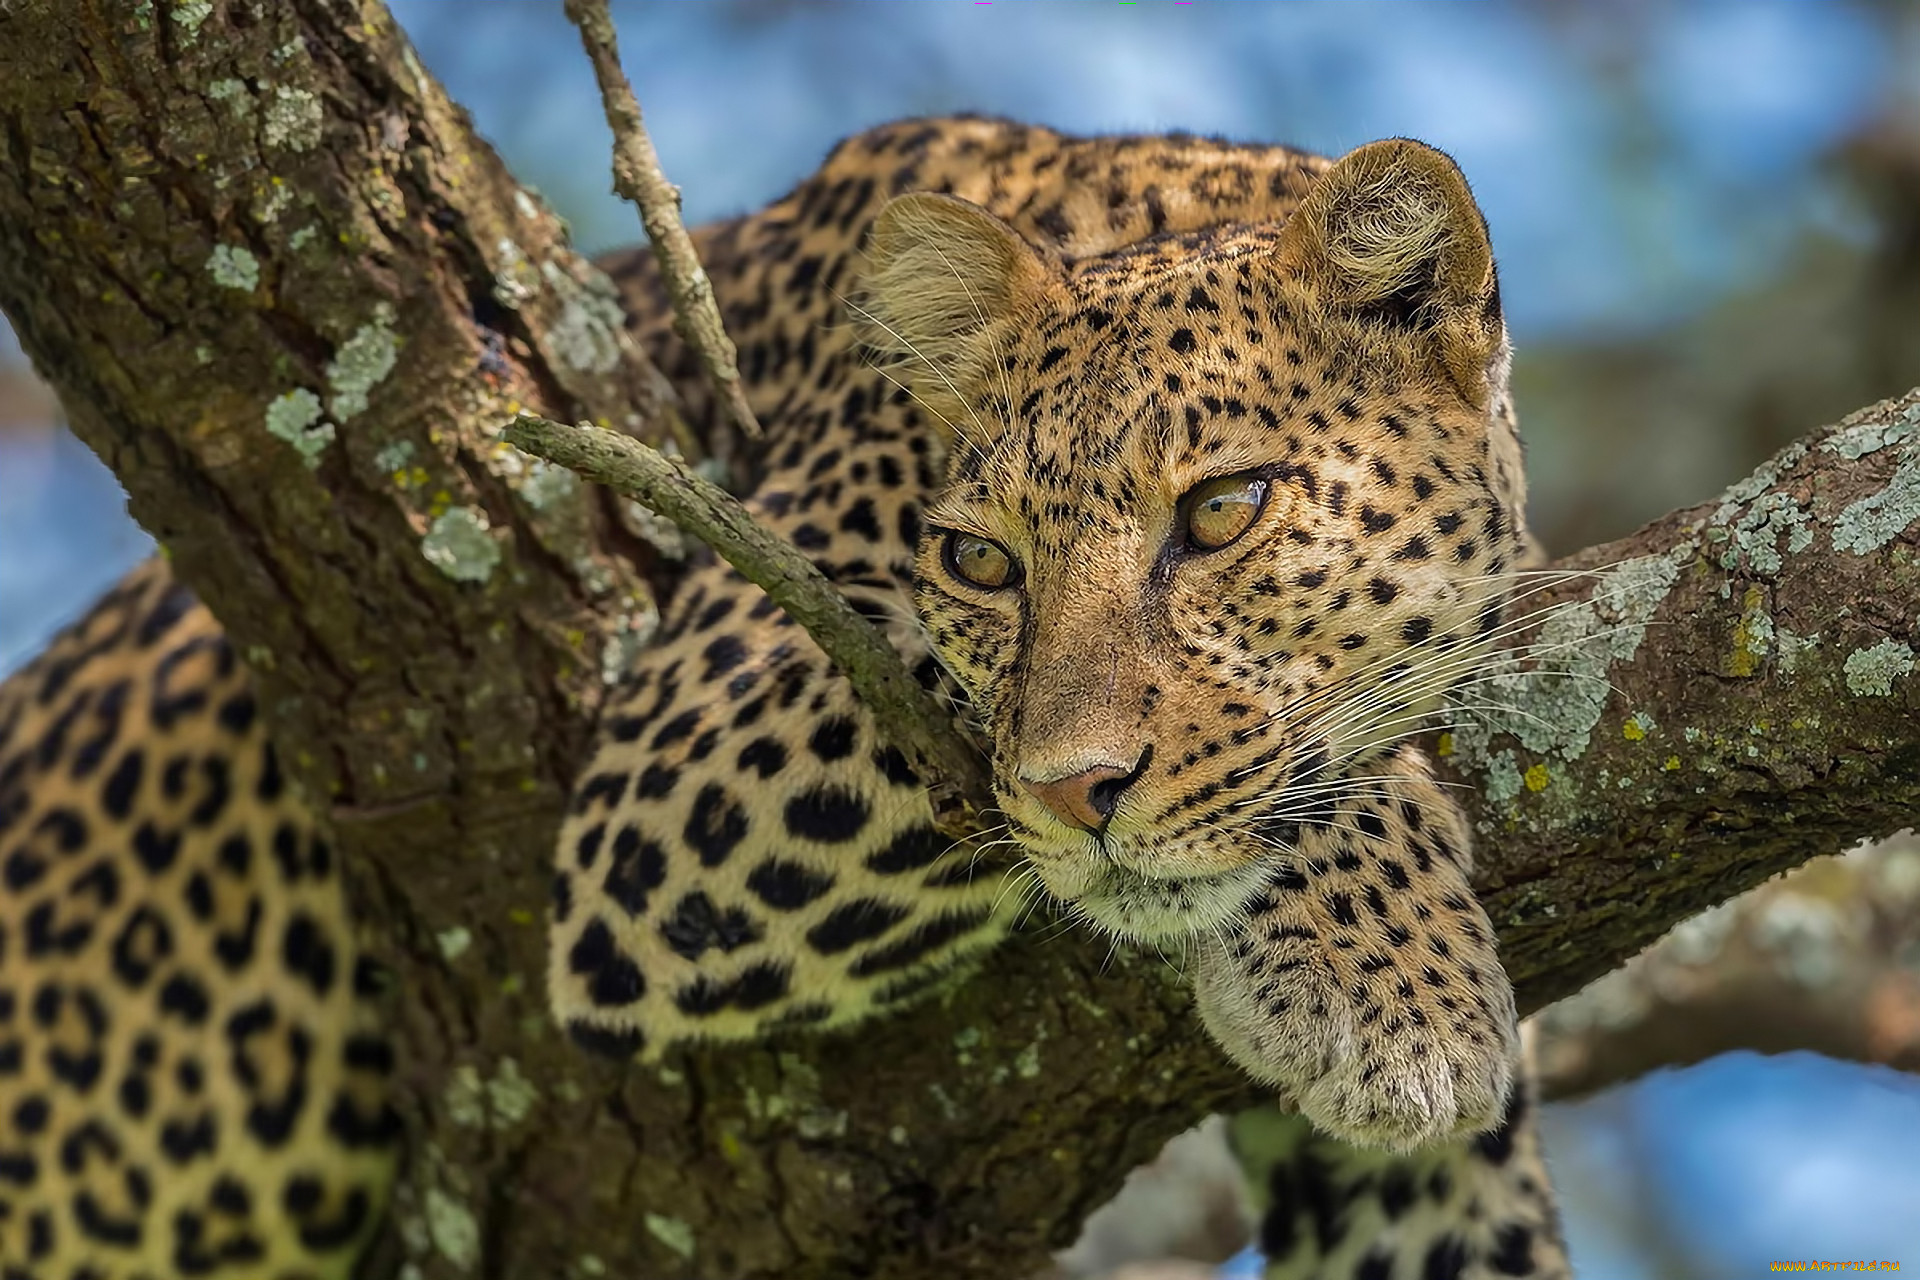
1811	961
637	176
1742	699
908	715
242	240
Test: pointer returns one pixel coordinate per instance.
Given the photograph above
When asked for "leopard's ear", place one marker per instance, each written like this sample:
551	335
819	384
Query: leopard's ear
1395	252
943	282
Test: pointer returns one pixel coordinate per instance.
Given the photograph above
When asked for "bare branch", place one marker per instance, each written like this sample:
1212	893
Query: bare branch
909	717
637	177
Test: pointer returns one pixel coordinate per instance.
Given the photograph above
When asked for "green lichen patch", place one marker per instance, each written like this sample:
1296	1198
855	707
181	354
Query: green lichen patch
451	1227
1863	438
296	418
672	1232
466	1099
1552	707
1790	647
232	267
546	485
232	92
459	545
188	15
1877	519
588	332
1501	780
510	1095
475	1102
292	119
1754	537
1747	529
362	362
1872	671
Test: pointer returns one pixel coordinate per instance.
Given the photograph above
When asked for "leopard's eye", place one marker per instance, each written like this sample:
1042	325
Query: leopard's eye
980	562
1218	511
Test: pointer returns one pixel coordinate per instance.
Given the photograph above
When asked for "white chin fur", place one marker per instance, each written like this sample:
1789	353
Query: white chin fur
1136	908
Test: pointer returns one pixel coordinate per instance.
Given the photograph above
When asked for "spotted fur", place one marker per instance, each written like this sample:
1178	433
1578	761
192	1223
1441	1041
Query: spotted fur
1479	1210
1364	983
192	1079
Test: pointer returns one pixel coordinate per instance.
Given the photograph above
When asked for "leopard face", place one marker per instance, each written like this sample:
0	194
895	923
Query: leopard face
1226	516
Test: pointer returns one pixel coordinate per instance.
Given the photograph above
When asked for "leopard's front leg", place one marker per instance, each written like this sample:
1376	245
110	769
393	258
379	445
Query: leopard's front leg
1363	983
1478	1208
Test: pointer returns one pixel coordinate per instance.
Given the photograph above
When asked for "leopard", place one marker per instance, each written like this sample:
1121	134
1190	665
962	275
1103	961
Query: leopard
194	1079
1199	488
1185	470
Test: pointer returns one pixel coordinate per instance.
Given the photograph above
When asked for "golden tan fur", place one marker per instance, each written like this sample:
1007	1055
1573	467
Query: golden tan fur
192	1080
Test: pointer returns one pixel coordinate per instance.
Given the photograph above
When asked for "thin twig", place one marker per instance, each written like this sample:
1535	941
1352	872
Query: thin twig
638	178
908	715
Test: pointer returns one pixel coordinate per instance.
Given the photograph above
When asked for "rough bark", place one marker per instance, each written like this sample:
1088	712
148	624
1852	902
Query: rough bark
1814	961
1744	700
289	298
220	217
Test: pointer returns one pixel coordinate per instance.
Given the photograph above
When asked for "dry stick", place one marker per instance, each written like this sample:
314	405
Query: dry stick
637	177
908	716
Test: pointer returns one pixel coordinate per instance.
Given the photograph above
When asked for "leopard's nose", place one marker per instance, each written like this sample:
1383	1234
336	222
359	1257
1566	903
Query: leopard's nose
1086	799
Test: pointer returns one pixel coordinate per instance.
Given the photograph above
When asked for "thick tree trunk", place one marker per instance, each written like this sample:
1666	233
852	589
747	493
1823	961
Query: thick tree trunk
288	296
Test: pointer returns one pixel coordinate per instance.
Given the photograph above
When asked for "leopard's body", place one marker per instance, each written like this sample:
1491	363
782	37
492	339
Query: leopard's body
192	1082
1133	316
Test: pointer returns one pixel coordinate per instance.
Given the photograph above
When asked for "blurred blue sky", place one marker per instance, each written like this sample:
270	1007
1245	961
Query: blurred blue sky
1543	105
1637	161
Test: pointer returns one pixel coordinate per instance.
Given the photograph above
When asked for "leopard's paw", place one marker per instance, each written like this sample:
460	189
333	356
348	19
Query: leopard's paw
1387	1024
1409	1088
1365	1065
1271	1000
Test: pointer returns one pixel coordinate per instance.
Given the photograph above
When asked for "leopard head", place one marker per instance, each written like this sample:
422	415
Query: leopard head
1226	515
